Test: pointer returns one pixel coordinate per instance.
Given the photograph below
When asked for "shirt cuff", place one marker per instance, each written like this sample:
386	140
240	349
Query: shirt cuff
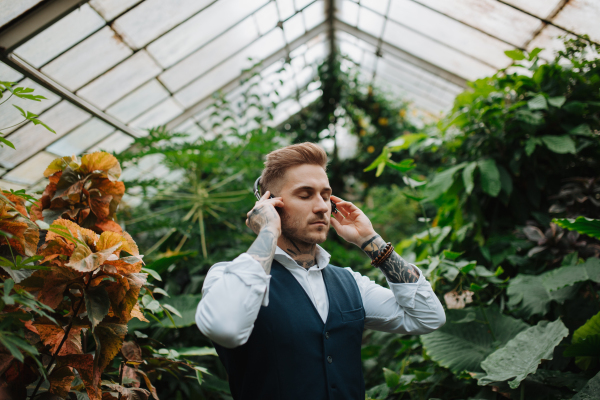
405	292
252	274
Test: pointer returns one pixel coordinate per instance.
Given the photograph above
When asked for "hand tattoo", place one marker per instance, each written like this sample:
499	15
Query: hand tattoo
263	249
395	268
261	217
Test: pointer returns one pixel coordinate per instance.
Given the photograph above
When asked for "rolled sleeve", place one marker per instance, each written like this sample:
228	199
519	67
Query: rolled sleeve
252	274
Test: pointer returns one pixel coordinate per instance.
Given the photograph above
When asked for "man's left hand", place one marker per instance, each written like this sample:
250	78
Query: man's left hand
351	223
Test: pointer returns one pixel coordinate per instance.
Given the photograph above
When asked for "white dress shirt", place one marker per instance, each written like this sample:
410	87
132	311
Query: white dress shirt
234	291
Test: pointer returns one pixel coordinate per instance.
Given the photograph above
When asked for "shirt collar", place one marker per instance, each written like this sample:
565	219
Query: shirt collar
287	261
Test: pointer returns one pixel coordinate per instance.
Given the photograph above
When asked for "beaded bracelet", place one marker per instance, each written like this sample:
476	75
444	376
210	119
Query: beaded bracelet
383	256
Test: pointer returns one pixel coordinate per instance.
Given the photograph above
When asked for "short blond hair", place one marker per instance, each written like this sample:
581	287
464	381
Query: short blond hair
280	160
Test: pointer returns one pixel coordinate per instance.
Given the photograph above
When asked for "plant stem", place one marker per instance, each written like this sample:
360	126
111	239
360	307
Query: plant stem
522	390
51	363
407	179
11	95
487	322
8	127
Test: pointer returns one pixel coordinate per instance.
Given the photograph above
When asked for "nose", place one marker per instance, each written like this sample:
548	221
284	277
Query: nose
322	206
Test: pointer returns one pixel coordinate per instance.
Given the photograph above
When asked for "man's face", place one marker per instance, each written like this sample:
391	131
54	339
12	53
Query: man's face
305	216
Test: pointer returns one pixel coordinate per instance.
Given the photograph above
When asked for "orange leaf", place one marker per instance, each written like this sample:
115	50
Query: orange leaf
60	381
126	265
25	234
84	364
52	335
108	225
110	239
55	283
59	164
84	260
137	313
109	340
101	162
88	236
131	351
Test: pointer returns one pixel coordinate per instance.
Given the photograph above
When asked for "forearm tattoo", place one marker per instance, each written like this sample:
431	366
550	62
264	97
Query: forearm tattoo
395	268
263	249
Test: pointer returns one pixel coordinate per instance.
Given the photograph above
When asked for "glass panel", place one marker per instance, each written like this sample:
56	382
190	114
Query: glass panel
11	116
266	18
304	76
548	40
210	55
293	27
309	97
6	185
117	142
158	115
110	9
300	4
120	80
435	53
8	74
230	69
81	138
316	53
152	18
370	22
198	30
11	9
138	101
286	9
32	170
347	11
31	138
380	6
540	8
314	14
88	59
450	32
581	16
351	51
60	36
491	16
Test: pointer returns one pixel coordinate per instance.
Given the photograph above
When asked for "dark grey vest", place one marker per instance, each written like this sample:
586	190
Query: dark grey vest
291	354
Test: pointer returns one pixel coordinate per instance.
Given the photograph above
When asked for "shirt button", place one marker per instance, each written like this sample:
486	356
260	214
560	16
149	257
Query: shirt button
326	335
329	359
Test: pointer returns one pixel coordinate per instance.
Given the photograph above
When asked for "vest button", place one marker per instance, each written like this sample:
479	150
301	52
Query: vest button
326	335
329	359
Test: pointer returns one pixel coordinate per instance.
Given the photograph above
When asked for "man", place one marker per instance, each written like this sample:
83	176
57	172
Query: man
285	323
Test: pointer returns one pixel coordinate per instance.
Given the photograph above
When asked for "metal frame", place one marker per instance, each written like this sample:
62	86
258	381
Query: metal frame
32	22
282	53
23	67
401	54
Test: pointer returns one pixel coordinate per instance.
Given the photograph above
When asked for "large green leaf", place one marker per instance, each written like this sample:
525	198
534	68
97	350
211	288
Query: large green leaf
591	327
467	174
97	304
442	182
587	226
490	177
522	355
591	391
586	343
186	305
571	274
532	295
462	346
559	144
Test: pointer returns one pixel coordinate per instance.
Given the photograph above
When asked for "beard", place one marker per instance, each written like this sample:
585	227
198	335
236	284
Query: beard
297	229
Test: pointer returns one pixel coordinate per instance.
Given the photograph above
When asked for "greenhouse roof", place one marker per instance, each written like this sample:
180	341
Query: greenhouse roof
112	68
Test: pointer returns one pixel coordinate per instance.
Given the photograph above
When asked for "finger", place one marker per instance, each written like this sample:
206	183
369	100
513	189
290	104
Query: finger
247	223
277	202
339	217
266	195
347	207
336	225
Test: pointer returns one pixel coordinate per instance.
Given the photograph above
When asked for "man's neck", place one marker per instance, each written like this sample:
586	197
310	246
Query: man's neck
303	253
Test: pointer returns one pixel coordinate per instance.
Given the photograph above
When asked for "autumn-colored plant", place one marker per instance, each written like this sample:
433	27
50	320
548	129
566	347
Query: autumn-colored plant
84	282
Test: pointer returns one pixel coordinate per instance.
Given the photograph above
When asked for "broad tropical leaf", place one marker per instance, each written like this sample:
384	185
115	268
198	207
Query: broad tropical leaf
591	391
572	274
587	226
532	295
490	177
522	355
462	346
186	305
586	343
442	182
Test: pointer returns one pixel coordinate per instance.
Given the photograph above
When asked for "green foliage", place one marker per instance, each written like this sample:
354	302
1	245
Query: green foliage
587	226
22	93
522	354
469	336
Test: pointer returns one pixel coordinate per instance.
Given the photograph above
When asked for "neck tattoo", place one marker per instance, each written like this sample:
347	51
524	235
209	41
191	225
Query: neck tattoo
303	254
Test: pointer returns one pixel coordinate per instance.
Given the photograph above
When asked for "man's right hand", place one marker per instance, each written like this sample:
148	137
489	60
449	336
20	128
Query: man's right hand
264	215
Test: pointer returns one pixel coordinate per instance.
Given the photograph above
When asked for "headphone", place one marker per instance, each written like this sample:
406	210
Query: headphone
257	195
